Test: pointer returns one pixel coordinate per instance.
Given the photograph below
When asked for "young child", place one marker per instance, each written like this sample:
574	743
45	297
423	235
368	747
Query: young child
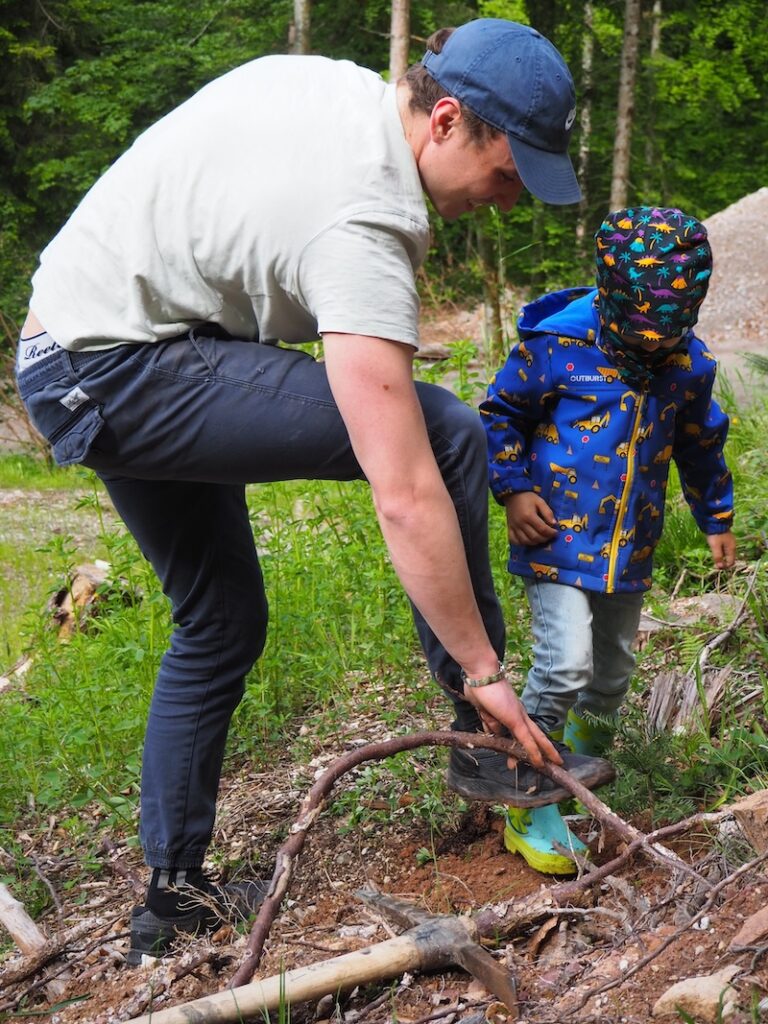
606	386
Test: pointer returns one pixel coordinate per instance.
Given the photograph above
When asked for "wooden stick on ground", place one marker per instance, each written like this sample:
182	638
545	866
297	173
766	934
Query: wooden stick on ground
499	921
19	924
313	803
396	956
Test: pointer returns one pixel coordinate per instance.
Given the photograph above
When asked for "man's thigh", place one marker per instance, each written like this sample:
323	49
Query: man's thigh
216	410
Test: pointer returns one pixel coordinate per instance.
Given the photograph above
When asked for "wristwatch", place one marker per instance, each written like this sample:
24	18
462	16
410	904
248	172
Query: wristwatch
496	677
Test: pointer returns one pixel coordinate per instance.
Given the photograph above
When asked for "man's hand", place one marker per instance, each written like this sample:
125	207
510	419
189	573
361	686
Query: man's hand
530	520
500	708
723	548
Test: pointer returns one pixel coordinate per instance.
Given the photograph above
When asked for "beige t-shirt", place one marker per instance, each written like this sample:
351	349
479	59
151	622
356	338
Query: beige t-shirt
281	201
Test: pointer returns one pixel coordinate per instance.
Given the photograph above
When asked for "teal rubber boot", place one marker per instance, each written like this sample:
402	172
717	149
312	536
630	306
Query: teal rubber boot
532	831
586	735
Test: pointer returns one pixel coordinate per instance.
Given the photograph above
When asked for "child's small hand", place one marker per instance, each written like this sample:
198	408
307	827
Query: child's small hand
529	519
723	548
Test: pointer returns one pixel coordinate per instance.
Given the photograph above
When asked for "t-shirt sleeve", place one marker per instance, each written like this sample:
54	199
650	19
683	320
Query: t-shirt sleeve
357	277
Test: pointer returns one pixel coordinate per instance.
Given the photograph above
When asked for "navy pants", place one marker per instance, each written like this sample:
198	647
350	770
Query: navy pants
175	430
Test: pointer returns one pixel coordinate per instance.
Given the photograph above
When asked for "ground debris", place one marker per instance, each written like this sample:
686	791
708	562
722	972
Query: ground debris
628	917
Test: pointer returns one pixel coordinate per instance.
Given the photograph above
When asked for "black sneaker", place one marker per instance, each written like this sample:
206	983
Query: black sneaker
209	907
480	774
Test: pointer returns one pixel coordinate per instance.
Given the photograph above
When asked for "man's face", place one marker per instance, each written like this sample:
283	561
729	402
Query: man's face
459	174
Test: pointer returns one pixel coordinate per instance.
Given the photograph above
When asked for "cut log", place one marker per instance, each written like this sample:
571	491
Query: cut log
19	924
79	599
27	936
752	815
74	602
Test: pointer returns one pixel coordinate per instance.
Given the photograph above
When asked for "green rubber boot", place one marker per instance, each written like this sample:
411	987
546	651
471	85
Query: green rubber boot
586	735
531	832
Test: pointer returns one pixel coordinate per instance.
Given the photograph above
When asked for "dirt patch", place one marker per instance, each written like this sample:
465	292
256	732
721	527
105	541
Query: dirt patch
734	317
560	960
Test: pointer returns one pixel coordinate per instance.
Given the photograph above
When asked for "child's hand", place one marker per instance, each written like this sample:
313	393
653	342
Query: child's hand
723	548
529	519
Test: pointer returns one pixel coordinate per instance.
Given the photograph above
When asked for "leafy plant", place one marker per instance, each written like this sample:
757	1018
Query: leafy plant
408	785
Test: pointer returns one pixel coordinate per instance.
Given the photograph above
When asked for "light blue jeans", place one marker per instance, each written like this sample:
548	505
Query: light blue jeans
582	650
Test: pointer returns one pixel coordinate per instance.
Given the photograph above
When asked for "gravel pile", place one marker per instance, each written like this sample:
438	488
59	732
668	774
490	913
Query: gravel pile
734	317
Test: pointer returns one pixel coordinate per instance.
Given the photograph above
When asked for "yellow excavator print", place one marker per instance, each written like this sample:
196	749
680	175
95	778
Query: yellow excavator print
602	507
575	523
593	423
511	453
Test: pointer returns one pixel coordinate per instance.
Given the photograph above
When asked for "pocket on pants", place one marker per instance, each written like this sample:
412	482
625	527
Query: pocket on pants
67	417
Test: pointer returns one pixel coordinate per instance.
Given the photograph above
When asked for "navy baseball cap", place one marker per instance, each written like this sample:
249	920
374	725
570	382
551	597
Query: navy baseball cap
515	80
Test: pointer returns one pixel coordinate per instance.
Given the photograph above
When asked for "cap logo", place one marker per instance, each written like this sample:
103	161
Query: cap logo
570	119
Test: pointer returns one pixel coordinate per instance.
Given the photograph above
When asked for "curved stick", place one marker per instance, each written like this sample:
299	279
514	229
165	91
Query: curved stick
315	798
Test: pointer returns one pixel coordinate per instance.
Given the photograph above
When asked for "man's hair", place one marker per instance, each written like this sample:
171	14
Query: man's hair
425	92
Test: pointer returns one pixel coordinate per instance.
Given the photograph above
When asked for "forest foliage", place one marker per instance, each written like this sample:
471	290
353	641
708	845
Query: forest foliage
82	78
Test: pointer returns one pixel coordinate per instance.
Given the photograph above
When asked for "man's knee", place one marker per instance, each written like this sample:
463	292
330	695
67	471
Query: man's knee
246	637
455	428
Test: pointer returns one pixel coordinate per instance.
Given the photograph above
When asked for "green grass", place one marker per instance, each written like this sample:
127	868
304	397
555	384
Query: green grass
336	611
44	517
25	471
340	630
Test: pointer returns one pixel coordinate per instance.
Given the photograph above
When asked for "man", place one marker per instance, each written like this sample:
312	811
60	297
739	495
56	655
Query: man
282	202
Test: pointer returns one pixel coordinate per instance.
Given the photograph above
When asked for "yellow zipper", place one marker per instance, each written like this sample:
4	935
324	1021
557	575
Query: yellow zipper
631	450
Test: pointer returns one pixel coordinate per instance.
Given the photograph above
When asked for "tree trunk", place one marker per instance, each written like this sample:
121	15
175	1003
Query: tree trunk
585	128
399	38
537	283
300	29
625	105
653	183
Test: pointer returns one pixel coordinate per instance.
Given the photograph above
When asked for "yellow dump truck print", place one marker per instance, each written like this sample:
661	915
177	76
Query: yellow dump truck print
610	373
567	472
542	571
548	431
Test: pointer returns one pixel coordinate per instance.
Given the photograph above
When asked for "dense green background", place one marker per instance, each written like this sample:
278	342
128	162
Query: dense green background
81	78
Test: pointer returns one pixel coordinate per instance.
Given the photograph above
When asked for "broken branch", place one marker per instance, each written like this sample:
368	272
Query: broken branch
313	802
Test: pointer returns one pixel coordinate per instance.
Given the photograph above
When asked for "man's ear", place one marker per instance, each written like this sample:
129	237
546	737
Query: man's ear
444	119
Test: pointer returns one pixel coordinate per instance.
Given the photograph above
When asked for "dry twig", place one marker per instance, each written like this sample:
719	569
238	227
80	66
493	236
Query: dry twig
313	803
667	942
